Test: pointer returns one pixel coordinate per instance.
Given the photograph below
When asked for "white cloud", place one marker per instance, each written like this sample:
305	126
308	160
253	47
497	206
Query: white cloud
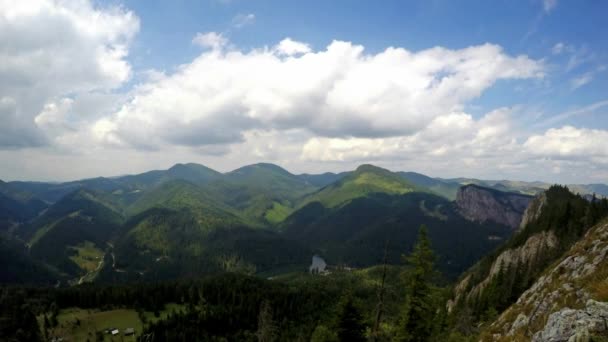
211	40
454	136
569	143
289	47
340	91
51	49
242	20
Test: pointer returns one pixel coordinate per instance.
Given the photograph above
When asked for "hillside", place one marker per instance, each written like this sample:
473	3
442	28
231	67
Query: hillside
73	231
365	180
568	302
355	233
167	244
183	195
263	192
18	267
435	185
553	222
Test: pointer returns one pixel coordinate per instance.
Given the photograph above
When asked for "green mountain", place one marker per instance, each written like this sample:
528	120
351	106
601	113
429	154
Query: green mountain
164	243
365	180
321	180
435	185
73	232
355	233
182	195
263	192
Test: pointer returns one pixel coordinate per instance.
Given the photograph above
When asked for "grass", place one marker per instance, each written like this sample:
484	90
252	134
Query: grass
76	324
87	256
278	213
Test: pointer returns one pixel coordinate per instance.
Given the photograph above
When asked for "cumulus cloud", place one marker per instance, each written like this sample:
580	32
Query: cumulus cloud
53	49
338	92
455	136
211	40
290	47
570	143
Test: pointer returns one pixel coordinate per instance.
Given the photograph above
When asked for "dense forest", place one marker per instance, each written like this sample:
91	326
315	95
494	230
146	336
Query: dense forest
401	303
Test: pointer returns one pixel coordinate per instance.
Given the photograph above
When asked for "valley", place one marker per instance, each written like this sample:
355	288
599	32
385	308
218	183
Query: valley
183	232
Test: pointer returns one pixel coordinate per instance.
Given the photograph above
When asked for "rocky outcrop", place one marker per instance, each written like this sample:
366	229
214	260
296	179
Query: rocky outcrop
575	325
525	254
532	212
567	303
481	204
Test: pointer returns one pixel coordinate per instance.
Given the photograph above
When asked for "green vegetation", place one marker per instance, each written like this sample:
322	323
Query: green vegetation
278	213
88	256
367	179
354	234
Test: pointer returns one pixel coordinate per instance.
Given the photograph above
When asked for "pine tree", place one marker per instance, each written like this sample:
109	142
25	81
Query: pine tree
418	313
267	329
350	326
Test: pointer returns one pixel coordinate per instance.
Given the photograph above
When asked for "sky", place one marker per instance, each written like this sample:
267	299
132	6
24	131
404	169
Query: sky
489	89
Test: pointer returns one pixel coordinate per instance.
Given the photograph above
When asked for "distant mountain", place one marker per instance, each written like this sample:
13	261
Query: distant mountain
264	192
481	204
365	180
436	185
72	230
323	179
182	195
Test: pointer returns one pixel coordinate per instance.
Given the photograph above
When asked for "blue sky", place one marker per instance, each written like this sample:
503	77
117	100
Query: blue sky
491	89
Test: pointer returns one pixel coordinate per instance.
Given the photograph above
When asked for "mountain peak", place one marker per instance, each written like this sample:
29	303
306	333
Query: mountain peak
262	166
370	168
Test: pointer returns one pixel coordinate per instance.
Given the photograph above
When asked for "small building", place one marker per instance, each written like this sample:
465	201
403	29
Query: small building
318	265
115	332
129	331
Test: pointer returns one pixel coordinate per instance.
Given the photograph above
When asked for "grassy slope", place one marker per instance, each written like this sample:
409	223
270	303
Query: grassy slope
367	179
77	324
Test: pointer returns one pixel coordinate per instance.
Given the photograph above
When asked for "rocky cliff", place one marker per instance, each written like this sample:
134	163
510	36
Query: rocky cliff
568	302
552	223
481	204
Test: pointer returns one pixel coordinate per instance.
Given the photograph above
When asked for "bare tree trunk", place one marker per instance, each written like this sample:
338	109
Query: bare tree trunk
381	290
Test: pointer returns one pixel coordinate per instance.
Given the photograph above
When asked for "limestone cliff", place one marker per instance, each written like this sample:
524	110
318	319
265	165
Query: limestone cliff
481	204
567	303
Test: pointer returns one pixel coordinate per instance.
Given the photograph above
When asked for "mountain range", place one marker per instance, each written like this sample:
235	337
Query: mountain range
262	219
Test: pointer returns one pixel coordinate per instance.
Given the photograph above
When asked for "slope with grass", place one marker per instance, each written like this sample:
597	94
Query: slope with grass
568	302
82	217
365	180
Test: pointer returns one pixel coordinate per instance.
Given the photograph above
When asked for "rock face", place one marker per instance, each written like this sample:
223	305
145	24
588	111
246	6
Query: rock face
481	204
525	254
533	210
567	303
575	325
